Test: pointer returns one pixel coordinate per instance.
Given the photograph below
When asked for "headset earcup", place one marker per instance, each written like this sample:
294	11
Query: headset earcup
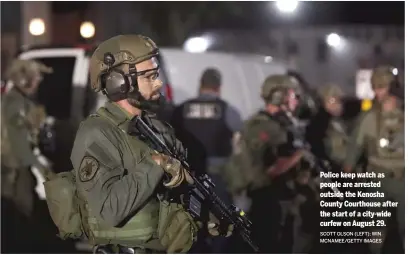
117	86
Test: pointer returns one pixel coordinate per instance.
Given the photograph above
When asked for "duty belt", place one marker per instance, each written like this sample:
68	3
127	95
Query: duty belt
119	249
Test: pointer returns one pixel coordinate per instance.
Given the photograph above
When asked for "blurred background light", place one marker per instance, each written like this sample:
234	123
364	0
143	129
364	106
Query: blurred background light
87	29
395	71
37	27
197	44
333	40
289	6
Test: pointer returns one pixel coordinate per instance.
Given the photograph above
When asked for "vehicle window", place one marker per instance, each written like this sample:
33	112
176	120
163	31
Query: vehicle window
56	88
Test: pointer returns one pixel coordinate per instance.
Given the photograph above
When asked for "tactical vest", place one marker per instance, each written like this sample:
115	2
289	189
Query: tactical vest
386	151
138	231
336	141
205	119
158	225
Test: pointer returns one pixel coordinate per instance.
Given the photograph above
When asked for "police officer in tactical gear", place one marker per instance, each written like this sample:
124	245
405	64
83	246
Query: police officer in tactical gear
379	134
118	176
329	125
262	159
295	190
211	122
328	135
21	120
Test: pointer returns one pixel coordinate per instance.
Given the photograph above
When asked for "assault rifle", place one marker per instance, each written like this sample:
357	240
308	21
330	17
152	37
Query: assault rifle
201	193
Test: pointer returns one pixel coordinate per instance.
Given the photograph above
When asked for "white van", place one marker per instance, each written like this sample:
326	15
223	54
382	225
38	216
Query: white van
242	75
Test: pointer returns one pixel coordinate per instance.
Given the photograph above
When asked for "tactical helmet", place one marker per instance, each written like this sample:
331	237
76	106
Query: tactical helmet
274	88
382	77
329	91
21	72
126	50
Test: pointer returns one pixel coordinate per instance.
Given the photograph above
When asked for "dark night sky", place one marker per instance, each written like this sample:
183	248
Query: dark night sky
349	12
264	14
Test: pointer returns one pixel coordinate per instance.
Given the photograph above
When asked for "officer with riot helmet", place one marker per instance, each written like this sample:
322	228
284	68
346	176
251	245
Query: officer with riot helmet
118	176
379	135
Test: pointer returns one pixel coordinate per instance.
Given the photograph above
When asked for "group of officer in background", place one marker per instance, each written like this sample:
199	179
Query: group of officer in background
266	161
263	163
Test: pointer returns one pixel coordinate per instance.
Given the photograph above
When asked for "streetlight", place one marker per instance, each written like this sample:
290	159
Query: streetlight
287	6
37	27
395	71
197	44
333	40
87	29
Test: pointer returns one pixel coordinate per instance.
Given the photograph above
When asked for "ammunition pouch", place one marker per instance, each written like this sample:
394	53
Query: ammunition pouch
177	230
63	204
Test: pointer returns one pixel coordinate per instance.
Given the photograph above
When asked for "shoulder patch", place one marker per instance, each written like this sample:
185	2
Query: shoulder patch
88	168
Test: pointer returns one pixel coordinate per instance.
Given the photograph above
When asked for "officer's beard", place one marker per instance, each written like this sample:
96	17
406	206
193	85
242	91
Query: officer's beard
137	100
